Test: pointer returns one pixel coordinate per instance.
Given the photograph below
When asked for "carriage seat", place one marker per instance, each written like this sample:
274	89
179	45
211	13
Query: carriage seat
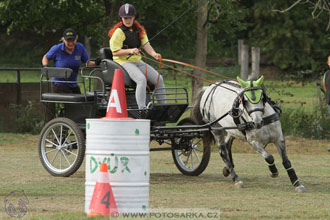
48	73
108	67
67	97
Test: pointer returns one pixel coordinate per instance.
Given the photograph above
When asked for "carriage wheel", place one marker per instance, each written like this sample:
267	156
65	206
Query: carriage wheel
193	157
61	147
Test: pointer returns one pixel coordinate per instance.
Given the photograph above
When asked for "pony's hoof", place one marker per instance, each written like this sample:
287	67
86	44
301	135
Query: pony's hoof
301	189
225	172
239	185
274	175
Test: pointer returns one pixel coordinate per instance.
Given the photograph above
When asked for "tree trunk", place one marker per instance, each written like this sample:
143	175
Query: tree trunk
244	62
201	46
255	63
88	46
240	43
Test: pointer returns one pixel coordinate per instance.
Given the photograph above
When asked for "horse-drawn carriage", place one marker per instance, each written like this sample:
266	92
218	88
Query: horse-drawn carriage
62	140
225	110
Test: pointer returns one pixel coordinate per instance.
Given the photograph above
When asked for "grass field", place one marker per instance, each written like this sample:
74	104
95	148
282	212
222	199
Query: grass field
263	198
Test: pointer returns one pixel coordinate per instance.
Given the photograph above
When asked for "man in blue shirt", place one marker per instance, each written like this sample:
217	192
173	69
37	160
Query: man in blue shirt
69	54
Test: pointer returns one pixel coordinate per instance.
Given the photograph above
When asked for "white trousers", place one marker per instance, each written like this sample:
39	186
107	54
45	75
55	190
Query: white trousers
136	70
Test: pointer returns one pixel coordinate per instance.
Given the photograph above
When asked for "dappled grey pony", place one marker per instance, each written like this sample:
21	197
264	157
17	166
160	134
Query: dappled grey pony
244	105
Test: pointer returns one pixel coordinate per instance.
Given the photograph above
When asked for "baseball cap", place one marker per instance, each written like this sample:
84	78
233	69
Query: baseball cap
69	34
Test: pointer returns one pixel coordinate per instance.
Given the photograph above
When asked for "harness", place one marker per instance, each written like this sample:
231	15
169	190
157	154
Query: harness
236	112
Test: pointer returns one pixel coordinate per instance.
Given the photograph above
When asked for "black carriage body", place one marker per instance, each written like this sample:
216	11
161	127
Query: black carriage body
93	104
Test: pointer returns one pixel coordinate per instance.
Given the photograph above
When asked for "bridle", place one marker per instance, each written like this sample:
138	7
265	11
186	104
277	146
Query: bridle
240	100
236	113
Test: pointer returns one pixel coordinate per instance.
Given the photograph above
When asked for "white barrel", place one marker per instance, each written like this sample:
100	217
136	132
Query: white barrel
124	146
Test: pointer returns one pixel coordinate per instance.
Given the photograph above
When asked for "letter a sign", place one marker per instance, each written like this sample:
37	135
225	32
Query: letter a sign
114	101
117	107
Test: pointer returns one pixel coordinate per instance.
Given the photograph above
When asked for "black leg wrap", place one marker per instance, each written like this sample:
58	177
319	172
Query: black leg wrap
291	173
270	159
287	164
293	177
271	164
273	169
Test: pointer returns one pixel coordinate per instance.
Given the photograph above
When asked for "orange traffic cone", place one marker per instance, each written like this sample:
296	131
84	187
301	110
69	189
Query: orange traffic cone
103	201
117	108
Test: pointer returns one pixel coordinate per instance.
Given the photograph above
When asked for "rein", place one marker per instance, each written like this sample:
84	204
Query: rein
146	73
161	63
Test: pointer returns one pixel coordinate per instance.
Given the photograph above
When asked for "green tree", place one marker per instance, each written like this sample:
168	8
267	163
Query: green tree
45	16
293	41
50	18
93	18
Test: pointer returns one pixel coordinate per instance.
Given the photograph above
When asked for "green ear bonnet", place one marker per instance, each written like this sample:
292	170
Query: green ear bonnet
249	84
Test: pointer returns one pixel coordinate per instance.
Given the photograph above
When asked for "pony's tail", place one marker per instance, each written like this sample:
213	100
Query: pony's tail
197	115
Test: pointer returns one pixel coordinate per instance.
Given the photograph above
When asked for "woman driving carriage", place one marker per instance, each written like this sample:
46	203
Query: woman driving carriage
126	37
69	54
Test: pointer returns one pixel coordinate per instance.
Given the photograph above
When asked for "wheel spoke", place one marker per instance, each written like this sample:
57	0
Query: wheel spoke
51	143
197	149
192	161
195	145
199	161
56	136
66	139
70	152
187	159
54	158
198	142
69	144
60	160
65	158
50	151
61	131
